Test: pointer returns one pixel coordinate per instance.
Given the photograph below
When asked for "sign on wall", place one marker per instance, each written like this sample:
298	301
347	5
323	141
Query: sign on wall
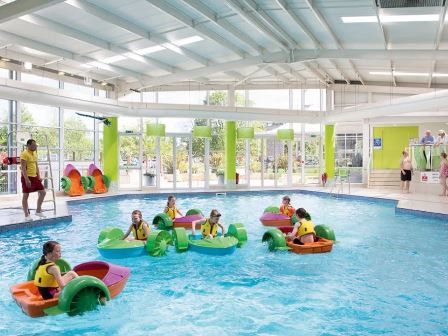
429	177
377	143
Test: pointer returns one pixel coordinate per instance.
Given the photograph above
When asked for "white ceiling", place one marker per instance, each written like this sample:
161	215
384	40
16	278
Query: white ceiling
233	31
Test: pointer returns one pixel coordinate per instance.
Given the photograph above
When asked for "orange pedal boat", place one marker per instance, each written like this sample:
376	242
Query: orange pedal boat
97	280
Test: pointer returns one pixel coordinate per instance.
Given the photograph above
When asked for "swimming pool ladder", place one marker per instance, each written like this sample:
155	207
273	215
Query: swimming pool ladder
341	176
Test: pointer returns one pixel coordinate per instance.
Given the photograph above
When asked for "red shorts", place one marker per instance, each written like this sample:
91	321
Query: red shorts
36	184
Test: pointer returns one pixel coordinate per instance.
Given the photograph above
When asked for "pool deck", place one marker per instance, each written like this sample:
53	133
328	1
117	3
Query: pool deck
11	215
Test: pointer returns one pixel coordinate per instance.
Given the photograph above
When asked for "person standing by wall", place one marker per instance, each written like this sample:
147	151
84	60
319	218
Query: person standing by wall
427	141
30	179
443	173
442	139
406	171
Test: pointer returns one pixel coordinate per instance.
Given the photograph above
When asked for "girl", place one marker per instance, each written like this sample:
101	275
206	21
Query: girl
303	232
48	278
286	207
443	173
209	226
171	209
139	227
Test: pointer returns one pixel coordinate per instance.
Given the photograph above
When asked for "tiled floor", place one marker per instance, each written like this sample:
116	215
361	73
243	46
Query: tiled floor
11	213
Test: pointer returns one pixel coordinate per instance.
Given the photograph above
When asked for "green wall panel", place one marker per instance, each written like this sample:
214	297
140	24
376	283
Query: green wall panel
394	141
329	150
110	149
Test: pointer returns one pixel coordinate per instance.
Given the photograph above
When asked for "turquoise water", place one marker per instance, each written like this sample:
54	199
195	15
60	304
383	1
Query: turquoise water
386	275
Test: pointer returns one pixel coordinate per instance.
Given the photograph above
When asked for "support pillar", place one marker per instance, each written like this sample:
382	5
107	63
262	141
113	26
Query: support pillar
329	150
230	153
110	151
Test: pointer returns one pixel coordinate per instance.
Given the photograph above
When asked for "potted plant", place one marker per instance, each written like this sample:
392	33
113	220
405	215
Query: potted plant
220	175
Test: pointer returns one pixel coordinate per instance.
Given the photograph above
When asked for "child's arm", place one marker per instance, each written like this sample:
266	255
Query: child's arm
165	210
56	272
222	229
294	231
180	213
127	233
146	228
194	223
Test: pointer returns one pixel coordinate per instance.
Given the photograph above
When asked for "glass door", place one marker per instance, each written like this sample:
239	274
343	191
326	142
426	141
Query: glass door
130	164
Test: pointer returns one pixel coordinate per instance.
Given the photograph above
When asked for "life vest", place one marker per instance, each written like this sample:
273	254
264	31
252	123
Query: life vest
208	229
306	227
43	278
287	210
171	212
140	234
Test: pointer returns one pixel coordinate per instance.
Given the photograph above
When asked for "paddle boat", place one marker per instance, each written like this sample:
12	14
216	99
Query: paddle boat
235	237
272	217
112	246
73	183
276	241
98	182
164	222
98	282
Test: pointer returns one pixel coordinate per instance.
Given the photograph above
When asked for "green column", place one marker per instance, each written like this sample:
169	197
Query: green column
230	152
329	150
110	149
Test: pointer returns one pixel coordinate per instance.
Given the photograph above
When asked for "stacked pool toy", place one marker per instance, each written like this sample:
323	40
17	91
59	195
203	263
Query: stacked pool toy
74	184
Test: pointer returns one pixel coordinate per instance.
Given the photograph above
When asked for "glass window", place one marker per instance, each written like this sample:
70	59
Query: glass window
177	125
39	115
182	97
78	122
40	80
219	98
296	99
131	97
79	88
270	98
4	111
240	98
149	97
182	162
102	93
129	124
312	100
4	73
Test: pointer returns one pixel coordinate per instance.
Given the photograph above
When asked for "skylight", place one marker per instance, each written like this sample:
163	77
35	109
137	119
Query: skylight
188	40
113	59
391	18
149	50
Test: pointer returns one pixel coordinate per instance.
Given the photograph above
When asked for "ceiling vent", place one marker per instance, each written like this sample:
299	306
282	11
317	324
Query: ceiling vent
409	3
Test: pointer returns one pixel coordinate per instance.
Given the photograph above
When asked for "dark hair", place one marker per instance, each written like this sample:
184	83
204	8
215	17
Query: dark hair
302	213
286	198
170	197
443	155
30	142
47	248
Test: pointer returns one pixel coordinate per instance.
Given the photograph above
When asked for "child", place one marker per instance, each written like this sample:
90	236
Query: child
171	209
139	227
303	232
443	173
286	207
209	226
48	279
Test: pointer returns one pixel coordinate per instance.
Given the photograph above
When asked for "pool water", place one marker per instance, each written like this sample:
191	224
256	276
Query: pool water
387	274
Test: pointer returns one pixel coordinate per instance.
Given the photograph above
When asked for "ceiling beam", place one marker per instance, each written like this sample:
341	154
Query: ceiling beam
15	9
326	26
224	24
204	71
385	40
136	30
170	10
95	41
440	28
271	23
23	41
248	17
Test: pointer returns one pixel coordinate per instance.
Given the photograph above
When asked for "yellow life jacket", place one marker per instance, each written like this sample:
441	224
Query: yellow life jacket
305	228
287	210
43	278
140	234
207	229
171	212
